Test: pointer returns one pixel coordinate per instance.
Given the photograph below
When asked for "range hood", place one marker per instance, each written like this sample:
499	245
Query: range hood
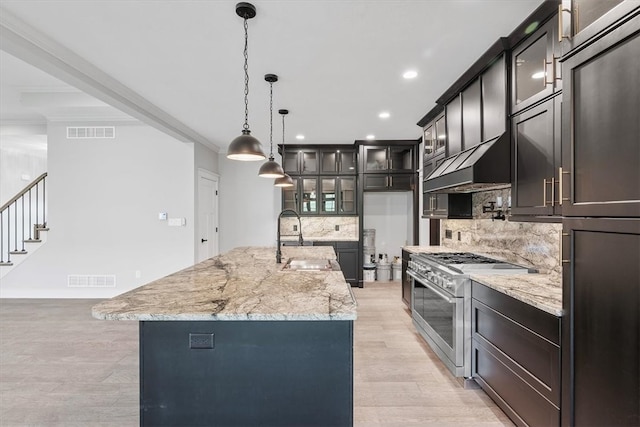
486	166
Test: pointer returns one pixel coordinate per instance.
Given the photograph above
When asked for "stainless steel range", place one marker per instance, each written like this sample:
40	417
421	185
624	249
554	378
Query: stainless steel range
441	301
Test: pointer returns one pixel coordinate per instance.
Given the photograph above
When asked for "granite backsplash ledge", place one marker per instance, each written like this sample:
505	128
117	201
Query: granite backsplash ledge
528	243
322	227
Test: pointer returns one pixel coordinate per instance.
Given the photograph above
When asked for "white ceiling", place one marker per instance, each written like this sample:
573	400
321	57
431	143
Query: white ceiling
340	63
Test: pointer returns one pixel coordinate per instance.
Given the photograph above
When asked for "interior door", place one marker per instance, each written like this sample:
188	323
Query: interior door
207	237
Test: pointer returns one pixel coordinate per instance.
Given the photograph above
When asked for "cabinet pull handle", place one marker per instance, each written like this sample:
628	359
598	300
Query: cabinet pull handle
560	186
391	181
561	180
390	164
553	62
561	24
553	190
386	181
544	192
562	236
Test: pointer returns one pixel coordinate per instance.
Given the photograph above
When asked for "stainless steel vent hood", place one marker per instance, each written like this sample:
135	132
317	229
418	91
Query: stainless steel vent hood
487	166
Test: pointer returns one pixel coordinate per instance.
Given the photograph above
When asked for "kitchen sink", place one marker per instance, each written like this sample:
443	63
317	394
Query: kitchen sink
311	265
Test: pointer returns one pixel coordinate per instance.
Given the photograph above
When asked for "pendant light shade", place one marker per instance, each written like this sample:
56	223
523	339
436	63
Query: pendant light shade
271	169
286	180
246	147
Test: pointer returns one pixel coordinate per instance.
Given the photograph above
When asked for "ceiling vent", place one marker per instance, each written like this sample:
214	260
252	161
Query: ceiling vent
91	132
91	281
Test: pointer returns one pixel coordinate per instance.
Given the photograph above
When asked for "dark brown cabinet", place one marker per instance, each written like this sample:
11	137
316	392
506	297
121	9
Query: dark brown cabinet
454	126
601	125
443	205
537	168
338	195
435	138
494	100
324	178
347	255
472	115
582	20
516	356
388	167
337	161
301	162
601	345
535	69
388	159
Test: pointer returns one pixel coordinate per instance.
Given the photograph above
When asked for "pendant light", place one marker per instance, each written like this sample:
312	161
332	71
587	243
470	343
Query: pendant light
245	147
286	180
271	169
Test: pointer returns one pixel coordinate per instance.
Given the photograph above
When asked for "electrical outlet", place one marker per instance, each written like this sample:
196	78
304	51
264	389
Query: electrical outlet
138	274
459	236
295	228
337	227
448	234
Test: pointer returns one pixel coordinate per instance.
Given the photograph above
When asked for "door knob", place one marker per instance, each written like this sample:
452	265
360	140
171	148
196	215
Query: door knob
203	240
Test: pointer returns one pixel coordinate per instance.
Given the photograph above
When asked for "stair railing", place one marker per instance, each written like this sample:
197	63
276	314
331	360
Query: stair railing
22	219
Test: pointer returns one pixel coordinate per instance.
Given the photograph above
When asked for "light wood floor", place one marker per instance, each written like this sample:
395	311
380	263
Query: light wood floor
61	367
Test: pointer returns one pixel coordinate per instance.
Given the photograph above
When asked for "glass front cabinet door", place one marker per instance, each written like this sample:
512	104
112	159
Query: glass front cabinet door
328	203
347	198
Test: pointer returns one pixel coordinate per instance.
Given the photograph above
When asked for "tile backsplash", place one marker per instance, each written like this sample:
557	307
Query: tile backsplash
322	227
528	243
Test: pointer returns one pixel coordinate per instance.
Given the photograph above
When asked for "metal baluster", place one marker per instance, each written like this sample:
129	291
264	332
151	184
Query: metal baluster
15	224
44	204
8	234
22	234
37	203
30	215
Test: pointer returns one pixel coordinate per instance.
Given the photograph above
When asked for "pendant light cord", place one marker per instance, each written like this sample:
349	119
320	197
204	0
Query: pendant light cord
283	138
271	120
246	75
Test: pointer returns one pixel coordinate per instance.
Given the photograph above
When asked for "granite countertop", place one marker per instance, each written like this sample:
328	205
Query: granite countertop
242	284
543	291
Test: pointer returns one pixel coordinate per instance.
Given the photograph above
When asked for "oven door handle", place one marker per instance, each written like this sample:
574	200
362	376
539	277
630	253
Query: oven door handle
435	290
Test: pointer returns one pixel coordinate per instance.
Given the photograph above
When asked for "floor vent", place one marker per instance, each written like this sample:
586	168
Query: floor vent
91	281
91	132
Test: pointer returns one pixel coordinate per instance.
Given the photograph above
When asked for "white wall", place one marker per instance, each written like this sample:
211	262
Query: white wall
104	199
390	213
207	159
22	159
249	205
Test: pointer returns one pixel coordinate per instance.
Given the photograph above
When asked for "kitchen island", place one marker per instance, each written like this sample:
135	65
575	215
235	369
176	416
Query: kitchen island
236	340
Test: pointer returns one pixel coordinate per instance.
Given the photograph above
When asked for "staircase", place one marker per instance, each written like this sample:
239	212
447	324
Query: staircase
23	224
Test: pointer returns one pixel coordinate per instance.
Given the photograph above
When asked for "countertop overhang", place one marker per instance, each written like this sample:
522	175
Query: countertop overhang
245	283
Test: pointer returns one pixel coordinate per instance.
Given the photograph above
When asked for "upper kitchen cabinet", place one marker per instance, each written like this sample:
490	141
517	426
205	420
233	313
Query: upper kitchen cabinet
302	197
582	20
434	133
475	105
536	72
301	162
338	162
388	165
454	125
536	172
324	179
387	159
601	125
338	196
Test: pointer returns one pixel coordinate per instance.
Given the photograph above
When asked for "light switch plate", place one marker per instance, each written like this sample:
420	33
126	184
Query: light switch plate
177	222
162	216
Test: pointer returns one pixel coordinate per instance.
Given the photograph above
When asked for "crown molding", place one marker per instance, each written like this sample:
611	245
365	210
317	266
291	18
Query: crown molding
30	45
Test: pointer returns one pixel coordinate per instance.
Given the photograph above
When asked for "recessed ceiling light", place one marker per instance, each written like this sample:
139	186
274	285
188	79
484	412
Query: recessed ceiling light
300	136
538	75
384	115
410	74
370	137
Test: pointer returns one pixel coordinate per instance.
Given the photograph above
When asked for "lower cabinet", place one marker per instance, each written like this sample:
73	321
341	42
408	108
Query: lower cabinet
406	280
516	356
347	253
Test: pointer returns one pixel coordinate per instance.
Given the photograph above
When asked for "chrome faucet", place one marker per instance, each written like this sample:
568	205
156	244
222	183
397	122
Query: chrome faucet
300	240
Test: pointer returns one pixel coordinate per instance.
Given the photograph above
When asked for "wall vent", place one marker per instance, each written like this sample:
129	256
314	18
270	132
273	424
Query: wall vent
91	132
91	281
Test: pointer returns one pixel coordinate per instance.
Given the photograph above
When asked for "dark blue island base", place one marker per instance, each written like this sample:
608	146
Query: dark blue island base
246	373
